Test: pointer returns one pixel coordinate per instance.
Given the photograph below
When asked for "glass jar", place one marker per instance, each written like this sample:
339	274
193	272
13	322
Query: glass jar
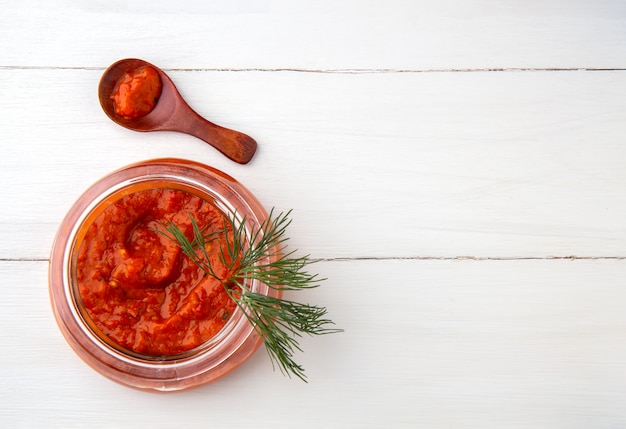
222	353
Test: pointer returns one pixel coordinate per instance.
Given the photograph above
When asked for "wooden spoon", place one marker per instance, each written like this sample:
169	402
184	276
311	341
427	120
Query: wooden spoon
172	113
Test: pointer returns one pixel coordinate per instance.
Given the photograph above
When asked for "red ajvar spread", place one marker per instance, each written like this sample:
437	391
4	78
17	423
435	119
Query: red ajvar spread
137	92
136	284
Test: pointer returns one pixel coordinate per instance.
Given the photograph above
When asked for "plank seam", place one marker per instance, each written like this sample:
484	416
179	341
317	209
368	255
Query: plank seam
472	258
342	70
419	258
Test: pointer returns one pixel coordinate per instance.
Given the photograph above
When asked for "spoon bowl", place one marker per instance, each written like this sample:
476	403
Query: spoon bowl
172	113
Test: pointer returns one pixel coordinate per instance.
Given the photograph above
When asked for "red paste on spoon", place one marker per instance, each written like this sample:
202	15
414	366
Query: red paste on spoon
137	92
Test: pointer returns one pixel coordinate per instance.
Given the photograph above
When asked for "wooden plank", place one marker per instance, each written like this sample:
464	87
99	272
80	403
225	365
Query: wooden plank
312	35
491	344
492	164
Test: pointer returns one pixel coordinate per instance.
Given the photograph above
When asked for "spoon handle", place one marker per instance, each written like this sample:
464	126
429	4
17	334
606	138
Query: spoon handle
237	146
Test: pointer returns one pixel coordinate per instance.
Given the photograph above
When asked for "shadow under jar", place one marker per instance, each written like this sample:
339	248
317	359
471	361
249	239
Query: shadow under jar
183	355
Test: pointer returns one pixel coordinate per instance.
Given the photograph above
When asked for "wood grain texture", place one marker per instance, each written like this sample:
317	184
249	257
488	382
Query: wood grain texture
317	35
492	164
524	344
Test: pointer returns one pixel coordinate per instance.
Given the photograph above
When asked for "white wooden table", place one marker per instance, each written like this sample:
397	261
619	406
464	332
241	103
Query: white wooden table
457	166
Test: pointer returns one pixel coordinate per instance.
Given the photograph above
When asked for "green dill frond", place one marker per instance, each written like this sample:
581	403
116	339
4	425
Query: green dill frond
261	255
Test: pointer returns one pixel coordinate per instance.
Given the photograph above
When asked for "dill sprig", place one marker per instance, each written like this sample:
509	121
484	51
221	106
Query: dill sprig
261	255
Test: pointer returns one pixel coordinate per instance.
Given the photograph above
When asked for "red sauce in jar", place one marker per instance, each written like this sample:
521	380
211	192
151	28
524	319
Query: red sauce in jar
137	92
136	284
